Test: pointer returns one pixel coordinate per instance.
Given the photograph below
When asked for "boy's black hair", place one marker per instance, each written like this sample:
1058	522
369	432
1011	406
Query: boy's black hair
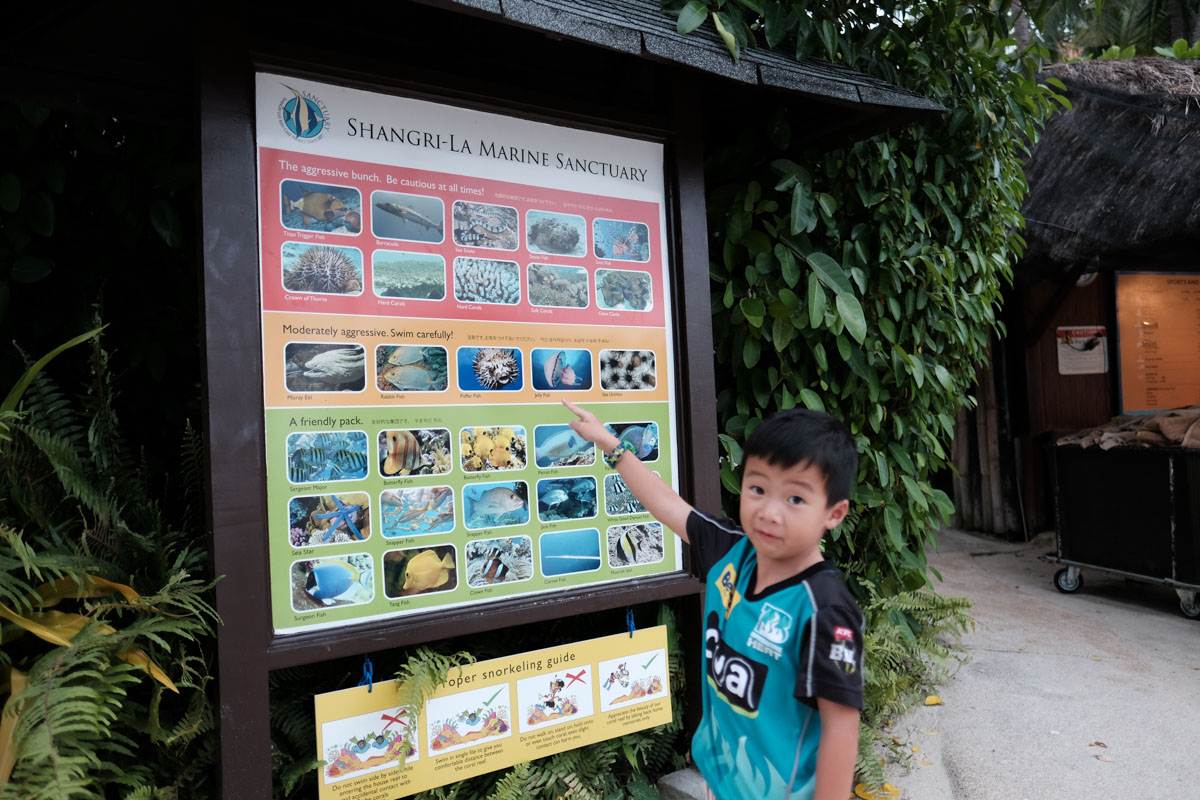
804	436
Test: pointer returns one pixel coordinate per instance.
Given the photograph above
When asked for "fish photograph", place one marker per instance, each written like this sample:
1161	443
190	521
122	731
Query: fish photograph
564	552
643	436
321	207
559	446
495	505
489	369
486	280
319	583
416	511
315	520
420	570
620	241
494	561
624	290
322	269
418	451
485	449
558	286
413	276
324	367
555	234
618	500
411	368
627	370
409	217
635	544
566	498
483	225
320	456
553	369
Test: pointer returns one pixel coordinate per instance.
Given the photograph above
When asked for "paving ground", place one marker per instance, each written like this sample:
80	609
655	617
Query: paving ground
1051	677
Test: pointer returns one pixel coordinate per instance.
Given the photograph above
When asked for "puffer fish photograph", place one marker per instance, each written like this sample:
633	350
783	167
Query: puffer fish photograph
420	571
317	367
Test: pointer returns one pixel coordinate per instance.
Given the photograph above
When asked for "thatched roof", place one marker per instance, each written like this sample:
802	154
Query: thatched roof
1114	184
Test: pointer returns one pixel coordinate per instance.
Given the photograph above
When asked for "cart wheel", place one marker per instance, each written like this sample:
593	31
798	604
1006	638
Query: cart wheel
1190	610
1066	582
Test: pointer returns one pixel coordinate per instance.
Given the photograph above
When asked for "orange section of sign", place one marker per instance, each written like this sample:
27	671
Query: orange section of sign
372	361
1158	316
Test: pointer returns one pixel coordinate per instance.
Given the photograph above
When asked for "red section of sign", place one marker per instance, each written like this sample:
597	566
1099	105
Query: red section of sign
331	220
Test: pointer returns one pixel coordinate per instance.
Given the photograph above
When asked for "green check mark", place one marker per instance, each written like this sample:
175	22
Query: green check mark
651	661
493	697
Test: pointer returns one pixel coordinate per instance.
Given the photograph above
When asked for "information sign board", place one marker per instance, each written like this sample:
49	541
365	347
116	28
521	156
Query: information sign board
491	715
434	281
1158	319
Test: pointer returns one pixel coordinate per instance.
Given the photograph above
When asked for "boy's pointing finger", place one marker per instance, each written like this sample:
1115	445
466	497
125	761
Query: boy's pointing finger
576	410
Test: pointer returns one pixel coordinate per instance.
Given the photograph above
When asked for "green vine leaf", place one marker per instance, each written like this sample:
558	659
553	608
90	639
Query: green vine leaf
830	272
851	312
691	17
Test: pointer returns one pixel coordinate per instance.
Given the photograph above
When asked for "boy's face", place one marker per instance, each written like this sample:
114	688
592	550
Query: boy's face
785	512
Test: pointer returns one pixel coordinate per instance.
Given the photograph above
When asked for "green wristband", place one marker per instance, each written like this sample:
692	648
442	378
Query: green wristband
611	458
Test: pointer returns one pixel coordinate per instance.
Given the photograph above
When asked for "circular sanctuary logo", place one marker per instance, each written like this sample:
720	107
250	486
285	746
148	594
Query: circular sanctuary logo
303	115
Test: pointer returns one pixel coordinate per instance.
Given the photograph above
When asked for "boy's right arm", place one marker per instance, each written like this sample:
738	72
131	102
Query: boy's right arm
654	493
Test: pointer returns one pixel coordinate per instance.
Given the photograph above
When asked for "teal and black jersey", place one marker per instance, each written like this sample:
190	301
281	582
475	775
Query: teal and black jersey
767	658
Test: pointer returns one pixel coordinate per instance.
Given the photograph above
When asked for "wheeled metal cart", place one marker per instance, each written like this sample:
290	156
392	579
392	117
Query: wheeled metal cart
1133	512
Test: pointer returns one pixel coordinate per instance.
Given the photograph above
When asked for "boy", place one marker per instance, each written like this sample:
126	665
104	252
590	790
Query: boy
783	635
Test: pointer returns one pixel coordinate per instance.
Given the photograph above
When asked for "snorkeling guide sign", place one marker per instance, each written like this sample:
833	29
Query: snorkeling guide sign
491	715
434	281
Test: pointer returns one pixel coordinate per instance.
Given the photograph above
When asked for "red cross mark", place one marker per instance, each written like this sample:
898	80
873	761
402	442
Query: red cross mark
578	677
396	719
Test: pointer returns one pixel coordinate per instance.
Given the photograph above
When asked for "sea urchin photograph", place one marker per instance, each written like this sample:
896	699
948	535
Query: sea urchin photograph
627	370
322	269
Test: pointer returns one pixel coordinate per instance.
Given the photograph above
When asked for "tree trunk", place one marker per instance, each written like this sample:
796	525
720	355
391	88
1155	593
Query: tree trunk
1178	28
1196	28
1021	30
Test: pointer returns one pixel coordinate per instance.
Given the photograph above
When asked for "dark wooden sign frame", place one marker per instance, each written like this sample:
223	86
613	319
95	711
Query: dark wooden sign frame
248	648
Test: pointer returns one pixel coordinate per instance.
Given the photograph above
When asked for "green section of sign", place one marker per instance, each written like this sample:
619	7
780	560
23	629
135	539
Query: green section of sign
383	511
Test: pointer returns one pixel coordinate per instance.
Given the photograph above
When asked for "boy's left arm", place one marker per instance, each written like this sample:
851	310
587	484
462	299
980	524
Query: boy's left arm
837	750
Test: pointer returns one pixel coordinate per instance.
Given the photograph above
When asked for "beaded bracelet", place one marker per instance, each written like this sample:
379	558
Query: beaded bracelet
613	457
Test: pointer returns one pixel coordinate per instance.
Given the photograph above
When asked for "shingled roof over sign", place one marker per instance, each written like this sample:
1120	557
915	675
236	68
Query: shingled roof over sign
640	28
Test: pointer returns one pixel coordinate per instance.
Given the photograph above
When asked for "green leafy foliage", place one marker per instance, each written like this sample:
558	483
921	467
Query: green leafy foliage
77	504
865	281
95	213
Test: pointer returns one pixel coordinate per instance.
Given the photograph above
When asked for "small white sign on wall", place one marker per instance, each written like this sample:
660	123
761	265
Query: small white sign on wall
1082	350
